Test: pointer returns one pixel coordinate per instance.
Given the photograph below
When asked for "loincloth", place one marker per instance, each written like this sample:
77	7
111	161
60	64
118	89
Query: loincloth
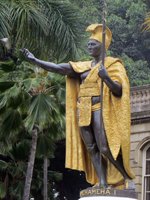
83	114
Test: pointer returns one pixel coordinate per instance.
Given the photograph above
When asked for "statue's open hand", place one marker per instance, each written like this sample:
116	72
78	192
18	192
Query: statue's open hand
27	54
103	72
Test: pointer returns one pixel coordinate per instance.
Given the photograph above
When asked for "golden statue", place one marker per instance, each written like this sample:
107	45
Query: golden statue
83	136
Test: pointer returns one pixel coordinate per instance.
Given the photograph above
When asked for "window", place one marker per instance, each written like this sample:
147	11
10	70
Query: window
146	173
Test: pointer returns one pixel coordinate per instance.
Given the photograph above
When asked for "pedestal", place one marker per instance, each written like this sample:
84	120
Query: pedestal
106	198
107	194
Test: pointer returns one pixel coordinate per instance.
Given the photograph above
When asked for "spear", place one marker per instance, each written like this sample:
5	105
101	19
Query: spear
103	47
103	30
101	90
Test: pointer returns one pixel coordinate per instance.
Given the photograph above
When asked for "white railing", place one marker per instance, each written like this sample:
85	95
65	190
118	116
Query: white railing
140	98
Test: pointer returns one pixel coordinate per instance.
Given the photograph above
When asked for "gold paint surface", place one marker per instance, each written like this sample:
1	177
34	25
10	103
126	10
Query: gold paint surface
116	117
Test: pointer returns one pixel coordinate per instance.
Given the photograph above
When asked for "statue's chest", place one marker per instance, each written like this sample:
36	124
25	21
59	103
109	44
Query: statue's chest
84	75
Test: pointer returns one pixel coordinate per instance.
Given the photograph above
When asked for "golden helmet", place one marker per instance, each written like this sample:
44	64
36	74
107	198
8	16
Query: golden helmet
96	33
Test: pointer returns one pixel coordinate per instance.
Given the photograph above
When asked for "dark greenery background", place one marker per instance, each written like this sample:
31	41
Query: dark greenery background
130	42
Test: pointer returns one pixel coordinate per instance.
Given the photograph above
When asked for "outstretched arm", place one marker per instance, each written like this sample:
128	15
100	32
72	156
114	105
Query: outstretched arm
63	68
114	86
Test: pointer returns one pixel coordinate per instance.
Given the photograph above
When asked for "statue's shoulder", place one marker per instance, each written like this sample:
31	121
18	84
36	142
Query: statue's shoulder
111	61
80	66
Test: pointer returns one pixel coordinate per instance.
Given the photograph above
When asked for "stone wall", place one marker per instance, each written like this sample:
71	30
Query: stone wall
140	130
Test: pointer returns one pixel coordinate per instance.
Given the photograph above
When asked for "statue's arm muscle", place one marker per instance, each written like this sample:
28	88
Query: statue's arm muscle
63	68
114	86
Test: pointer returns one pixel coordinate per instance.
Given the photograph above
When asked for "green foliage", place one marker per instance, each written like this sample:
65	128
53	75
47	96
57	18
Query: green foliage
19	151
7	66
2	190
11	123
4	20
11	172
136	74
40	111
27	100
28	96
65	28
90	10
48	28
16	190
125	19
45	144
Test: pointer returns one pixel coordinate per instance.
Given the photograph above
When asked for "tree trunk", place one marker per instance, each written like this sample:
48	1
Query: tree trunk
30	167
45	180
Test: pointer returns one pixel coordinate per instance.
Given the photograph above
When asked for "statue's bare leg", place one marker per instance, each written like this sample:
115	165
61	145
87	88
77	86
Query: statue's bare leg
101	140
91	146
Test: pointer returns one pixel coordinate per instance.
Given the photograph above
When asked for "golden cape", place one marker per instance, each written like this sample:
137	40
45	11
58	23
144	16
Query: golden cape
116	117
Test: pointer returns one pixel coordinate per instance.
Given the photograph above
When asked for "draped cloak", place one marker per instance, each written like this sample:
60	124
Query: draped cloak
116	119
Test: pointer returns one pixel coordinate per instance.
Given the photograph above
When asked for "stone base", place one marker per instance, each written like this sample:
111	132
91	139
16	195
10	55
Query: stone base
93	193
106	198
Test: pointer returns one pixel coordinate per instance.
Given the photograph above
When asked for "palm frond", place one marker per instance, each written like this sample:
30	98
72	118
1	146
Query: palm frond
40	110
6	85
45	145
4	20
20	150
7	66
3	165
28	22
3	101
11	123
16	190
2	190
47	27
65	28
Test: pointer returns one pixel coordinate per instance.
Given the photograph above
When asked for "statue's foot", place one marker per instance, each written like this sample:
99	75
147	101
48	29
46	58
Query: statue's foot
96	185
104	186
129	184
101	185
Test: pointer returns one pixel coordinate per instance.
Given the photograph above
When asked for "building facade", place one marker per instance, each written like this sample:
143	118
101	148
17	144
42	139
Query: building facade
140	139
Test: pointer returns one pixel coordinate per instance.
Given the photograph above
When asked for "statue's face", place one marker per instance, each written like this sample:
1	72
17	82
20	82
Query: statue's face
94	47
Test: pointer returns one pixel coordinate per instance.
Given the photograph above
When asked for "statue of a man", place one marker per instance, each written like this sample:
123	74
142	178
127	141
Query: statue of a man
83	136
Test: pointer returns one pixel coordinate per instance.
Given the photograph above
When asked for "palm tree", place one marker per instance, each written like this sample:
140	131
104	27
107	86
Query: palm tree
25	104
44	113
12	167
11	123
49	29
4	18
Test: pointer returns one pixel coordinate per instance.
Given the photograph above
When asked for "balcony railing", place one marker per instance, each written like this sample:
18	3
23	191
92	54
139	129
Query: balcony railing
140	103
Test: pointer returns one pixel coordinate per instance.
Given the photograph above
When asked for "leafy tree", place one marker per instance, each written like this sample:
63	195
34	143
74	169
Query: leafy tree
43	111
50	29
125	19
136	74
4	18
90	10
25	104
